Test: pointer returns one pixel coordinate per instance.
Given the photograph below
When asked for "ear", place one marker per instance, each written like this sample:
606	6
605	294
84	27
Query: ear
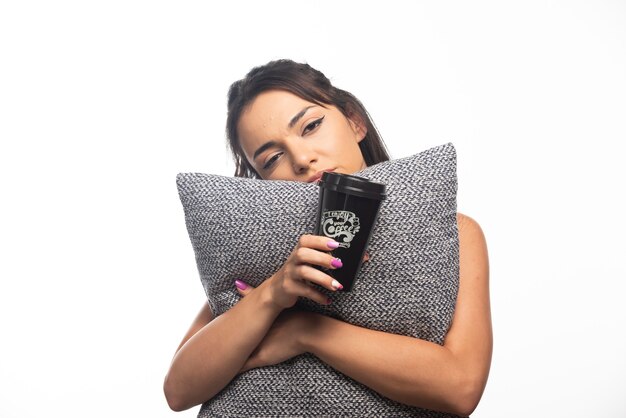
358	126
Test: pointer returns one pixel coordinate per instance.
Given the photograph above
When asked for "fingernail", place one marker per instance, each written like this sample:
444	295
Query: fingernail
332	244
336	263
241	285
336	285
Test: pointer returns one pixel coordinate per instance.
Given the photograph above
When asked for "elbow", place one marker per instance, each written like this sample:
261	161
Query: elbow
465	407
175	401
467	396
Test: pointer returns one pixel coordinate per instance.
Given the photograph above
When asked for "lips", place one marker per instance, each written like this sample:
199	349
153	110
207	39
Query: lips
317	176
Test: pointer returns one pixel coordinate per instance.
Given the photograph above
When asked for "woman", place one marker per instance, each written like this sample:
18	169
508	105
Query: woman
286	121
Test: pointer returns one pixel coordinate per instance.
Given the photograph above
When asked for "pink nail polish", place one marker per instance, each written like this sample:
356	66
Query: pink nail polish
332	244
241	285
336	263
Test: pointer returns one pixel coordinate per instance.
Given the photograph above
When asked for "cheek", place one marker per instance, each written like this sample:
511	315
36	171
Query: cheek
351	155
283	171
342	135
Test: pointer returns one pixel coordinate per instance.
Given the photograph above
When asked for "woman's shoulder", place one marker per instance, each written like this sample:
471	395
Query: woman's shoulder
470	231
473	256
465	221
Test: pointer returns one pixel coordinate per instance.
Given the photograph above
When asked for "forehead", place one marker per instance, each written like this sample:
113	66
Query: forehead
271	106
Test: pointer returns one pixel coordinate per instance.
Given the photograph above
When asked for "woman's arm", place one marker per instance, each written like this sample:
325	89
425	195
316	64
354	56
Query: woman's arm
214	350
447	378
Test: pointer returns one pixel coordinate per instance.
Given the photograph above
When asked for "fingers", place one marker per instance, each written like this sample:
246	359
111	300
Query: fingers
304	255
243	287
313	249
313	275
303	258
295	277
301	288
317	242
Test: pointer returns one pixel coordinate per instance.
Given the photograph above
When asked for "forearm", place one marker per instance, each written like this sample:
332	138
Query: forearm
210	359
405	369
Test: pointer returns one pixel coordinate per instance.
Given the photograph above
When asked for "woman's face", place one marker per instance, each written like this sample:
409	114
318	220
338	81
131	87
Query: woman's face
285	137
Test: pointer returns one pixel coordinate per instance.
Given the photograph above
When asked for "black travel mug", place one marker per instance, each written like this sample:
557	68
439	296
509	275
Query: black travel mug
347	210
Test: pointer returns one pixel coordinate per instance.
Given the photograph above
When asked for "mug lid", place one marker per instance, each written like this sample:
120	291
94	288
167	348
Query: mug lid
353	185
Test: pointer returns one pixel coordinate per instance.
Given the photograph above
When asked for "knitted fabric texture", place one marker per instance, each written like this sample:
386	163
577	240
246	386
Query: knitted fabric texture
245	229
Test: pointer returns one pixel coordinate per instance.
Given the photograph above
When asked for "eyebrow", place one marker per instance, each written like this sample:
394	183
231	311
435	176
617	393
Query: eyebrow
296	118
263	147
291	124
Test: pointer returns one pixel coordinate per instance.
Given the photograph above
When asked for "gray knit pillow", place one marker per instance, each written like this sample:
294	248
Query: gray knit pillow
245	229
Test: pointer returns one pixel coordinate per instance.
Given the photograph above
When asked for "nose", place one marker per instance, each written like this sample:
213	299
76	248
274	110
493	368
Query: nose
303	157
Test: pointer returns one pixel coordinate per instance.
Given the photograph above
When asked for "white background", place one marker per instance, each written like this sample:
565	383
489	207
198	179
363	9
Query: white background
103	103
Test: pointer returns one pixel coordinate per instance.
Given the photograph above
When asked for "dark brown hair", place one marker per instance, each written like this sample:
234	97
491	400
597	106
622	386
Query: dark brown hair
307	83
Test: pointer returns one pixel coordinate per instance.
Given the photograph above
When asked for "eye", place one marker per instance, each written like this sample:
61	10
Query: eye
269	163
311	126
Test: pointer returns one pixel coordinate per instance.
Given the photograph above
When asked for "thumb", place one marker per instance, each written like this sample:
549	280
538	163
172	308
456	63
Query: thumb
243	287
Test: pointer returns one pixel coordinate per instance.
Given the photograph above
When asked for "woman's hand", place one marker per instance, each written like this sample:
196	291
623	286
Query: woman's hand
283	340
295	277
